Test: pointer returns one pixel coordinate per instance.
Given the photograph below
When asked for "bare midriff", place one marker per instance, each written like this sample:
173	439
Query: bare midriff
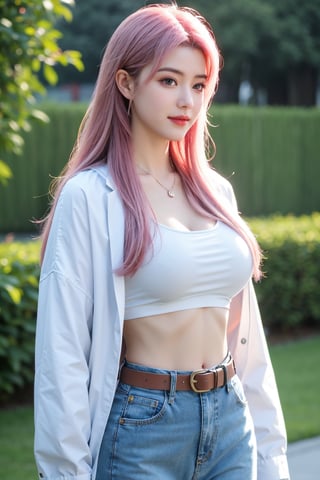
183	340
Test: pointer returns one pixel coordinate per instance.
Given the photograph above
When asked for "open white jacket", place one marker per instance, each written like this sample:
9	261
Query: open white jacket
79	337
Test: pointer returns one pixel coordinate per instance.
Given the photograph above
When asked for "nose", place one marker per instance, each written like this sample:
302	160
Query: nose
185	99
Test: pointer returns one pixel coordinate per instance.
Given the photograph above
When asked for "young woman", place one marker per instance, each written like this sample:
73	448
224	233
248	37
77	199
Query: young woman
148	327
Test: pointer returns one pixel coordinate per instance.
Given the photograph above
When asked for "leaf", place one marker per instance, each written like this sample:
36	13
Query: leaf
5	173
16	142
29	42
39	115
75	58
50	74
65	11
15	293
31	31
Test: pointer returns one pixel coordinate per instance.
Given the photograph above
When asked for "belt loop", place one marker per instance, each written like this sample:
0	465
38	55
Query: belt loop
225	374
173	386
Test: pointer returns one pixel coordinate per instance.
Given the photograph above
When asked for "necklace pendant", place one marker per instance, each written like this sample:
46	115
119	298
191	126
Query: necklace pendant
171	194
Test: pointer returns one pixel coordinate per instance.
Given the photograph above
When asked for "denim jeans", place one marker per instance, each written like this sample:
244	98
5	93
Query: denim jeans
178	435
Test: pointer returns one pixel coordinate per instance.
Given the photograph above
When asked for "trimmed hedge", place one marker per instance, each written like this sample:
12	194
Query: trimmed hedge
288	295
272	155
273	152
19	274
46	150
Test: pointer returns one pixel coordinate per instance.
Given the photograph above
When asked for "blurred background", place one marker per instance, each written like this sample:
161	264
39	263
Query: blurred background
271	48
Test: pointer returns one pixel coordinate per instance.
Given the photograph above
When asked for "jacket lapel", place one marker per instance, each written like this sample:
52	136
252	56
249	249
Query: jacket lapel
116	236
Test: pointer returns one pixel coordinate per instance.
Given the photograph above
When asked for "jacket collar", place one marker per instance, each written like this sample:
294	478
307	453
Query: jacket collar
104	172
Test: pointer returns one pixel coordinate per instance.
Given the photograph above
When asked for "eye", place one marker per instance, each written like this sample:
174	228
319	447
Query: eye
168	82
199	87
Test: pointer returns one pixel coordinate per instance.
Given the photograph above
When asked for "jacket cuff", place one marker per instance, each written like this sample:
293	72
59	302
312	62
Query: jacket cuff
273	468
84	476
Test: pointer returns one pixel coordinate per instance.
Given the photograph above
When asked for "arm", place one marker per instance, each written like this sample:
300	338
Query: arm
62	418
249	348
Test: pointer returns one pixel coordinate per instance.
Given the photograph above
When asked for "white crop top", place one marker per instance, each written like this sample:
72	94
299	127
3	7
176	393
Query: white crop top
189	269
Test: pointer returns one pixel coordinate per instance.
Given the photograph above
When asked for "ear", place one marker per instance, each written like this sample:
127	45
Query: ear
125	84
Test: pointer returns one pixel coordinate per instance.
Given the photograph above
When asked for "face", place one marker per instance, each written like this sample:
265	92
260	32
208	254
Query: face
166	106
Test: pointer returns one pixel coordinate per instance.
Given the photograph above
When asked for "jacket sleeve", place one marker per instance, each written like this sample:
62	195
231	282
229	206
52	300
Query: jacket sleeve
249	348
63	338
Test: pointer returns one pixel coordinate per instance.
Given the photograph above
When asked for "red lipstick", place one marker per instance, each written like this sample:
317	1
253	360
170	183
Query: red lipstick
180	120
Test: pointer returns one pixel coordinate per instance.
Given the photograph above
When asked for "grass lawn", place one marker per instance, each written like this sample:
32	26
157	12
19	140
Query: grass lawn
16	444
295	365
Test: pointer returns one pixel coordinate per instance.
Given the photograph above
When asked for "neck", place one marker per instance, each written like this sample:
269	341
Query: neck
159	167
152	156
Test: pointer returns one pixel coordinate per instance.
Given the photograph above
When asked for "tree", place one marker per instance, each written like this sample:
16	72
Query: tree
293	80
242	28
29	48
273	44
94	22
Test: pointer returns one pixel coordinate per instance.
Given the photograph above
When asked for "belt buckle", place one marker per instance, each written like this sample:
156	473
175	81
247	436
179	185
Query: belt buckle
193	381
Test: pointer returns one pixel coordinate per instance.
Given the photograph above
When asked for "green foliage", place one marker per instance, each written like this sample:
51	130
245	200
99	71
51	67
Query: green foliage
296	35
46	150
94	22
271	156
274	44
289	293
19	274
29	48
251	21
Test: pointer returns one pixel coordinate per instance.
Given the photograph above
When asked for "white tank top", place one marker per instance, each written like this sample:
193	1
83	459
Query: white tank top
189	269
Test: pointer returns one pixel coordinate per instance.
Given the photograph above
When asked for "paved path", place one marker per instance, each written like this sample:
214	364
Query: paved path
304	459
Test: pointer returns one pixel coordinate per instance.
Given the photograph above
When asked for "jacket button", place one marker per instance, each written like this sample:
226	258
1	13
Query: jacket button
243	341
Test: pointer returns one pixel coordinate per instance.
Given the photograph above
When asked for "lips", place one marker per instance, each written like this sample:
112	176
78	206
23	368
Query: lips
180	120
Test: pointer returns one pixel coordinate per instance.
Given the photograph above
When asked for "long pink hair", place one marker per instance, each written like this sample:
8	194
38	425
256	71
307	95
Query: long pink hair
142	39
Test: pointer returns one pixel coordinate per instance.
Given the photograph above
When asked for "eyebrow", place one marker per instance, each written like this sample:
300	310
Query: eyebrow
178	72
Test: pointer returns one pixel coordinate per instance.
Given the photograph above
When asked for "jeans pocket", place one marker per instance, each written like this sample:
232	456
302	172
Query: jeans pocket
143	407
236	387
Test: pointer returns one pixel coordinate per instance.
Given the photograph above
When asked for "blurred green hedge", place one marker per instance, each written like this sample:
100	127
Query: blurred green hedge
46	150
19	277
288	295
272	155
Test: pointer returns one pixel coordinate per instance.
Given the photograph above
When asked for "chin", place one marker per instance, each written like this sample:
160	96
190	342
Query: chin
177	138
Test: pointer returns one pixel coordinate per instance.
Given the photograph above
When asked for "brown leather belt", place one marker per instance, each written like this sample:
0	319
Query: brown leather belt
199	381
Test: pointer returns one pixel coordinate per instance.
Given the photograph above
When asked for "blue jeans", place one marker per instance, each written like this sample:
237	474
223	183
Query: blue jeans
178	435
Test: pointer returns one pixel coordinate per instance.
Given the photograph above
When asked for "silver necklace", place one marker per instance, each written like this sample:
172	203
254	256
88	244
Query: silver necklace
169	191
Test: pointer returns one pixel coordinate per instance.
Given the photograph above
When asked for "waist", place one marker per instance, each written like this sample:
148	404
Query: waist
198	381
185	341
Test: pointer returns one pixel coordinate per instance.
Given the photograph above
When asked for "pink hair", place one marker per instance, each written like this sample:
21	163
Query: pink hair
142	39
